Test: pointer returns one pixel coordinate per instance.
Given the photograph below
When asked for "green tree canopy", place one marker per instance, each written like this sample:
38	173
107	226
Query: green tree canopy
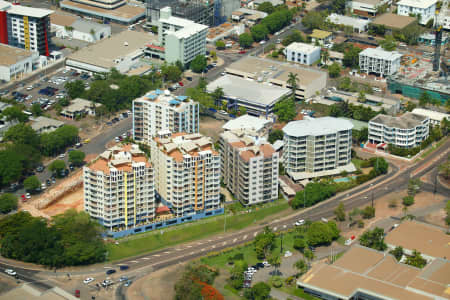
368	212
334	70
388	43
351	57
301	266
314	20
373	239
275	135
285	110
8	203
198	64
171	72
57	166
14	113
259	291
264	242
416	260
397	252
220	44
22	134
339	212
266	7
36	110
76	157
259	32
75	89
32	183
320	233
245	40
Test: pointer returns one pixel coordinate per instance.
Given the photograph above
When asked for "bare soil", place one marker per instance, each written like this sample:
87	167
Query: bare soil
211	127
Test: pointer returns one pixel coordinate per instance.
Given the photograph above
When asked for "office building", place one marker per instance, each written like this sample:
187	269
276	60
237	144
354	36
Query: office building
426	9
406	131
435	117
317	147
160	112
119	189
25	27
302	53
359	25
15	63
249	167
367	8
379	61
187	174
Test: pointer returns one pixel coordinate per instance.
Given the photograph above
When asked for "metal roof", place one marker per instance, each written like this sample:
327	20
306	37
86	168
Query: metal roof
314	127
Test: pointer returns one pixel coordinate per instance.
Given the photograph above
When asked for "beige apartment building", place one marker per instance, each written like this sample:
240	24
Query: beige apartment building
187	174
119	188
249	167
161	112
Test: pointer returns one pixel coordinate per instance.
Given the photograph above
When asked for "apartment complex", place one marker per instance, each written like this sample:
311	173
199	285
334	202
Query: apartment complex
249	167
250	125
406	131
187	174
302	53
160	112
424	9
25	27
379	61
179	39
119	188
317	147
435	117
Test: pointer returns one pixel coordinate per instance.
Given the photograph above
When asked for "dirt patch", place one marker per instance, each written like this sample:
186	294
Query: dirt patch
437	218
71	200
211	127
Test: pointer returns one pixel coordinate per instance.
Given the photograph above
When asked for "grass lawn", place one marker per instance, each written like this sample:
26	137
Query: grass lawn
357	162
188	232
292	290
432	148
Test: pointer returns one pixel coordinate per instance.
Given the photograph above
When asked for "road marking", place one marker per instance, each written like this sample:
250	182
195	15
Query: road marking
213	246
146	258
167	252
157	255
107	267
234	241
120	265
210	241
134	261
189	246
245	236
275	229
199	243
224	243
256	233
284	226
179	249
203	249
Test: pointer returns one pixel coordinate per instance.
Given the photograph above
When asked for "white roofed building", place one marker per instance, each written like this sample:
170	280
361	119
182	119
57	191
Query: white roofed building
253	126
359	25
302	53
426	9
379	61
435	117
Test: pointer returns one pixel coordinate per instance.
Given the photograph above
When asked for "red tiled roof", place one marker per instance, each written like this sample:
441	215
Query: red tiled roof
162	209
155	47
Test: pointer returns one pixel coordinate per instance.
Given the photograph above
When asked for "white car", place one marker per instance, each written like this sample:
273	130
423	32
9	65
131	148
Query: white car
266	264
222	112
27	196
62	155
300	222
29	88
262	42
10	272
43	186
88	280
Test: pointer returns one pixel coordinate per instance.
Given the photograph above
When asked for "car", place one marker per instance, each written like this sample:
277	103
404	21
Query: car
109	123
77	293
117	139
29	88
43	186
222	112
27	196
128	283
123	278
223	73
88	280
53	180
10	272
110	271
86	141
300	222
62	155
78	145
124	267
262	42
71	167
260	265
107	282
181	83
40	168
266	264
242	52
189	78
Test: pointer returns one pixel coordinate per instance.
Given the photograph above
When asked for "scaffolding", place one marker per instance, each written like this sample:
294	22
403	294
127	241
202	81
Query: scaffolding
199	11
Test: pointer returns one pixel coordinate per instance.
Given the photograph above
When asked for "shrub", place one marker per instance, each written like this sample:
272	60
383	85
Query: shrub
277	282
408	200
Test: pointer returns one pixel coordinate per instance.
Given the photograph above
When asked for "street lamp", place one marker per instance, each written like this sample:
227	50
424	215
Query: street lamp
371	185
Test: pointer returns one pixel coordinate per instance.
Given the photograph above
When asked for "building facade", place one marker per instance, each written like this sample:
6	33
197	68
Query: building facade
436	118
317	147
187	174
119	189
249	167
367	8
379	61
406	131
15	63
25	27
302	53
426	9
160	112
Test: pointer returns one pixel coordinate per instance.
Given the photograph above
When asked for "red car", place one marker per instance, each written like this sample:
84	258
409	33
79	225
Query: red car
77	293
181	83
242	52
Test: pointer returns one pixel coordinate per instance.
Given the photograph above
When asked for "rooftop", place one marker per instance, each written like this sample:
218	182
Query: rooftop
246	122
62	20
302	47
104	52
87	26
371	2
78	105
165	98
29	11
314	127
378	274
11	55
249	147
188	30
246	11
417	3
434	115
349	21
393	21
357	125
120	158
42	123
428	239
248	90
380	53
405	121
123	13
320	34
274	71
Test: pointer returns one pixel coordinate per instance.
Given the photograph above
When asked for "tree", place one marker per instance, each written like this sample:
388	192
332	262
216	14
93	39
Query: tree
264	242
14	113
360	136
320	233
245	40
325	55
32	183
447	210
408	200
75	88
259	32
368	212
301	266
92	32
187	288
57	166
275	260
314	19
416	260
414	186
397	252
373	239
292	82
171	72
285	110
8	203
351	57
154	29
362	97
266	7
275	135
198	64
388	43
217	96
259	291
334	70
220	45
300	244
338	6
76	157
237	274
22	134
340	212
36	110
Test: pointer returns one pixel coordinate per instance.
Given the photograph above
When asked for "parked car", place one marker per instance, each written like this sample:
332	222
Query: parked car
62	155
300	222
88	280
77	293
123	278
124	267
242	52
128	283
10	272
110	271
40	168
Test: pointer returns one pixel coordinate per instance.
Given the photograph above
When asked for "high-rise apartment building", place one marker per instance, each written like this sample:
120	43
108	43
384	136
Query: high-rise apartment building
249	167
25	27
187	174
317	147
160	112
119	188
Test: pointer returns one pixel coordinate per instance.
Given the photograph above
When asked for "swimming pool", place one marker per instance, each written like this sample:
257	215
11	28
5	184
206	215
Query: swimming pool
345	179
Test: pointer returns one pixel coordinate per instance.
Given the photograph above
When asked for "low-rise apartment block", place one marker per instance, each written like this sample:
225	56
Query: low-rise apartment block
160	112
187	174
406	131
302	53
119	189
435	117
249	167
379	61
317	147
425	10
250	125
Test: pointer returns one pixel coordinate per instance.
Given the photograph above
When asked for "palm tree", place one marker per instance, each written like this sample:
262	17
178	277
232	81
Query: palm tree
325	56
217	96
293	82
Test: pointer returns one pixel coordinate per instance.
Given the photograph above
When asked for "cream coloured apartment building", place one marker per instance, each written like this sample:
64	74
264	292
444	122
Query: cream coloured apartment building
119	188
187	173
249	167
161	112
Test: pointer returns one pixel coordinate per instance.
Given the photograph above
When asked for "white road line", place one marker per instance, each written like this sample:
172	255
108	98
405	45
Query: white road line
157	255
256	233
199	243
189	246
213	246
245	236
234	241
284	226
146	258
203	249
179	249
134	261
120	265
107	267
210	241
224	243
275	229
192	252
167	252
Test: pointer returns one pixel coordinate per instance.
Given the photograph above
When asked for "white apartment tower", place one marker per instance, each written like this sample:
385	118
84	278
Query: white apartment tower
249	167
406	131
317	147
302	53
426	9
160	112
379	61
187	173
119	188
